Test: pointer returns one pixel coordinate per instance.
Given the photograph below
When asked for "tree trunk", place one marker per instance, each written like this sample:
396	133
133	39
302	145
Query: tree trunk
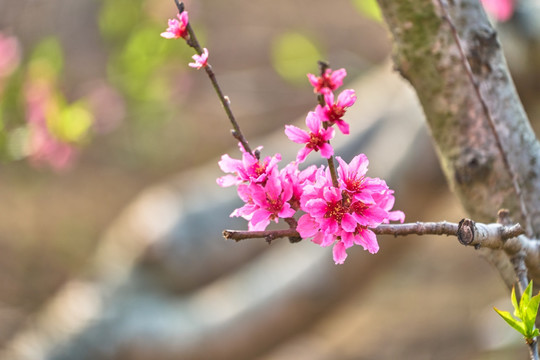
450	54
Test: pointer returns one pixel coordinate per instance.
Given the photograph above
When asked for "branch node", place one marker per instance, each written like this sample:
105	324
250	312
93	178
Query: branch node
465	233
180	6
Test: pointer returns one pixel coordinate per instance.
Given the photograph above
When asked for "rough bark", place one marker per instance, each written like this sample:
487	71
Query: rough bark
450	54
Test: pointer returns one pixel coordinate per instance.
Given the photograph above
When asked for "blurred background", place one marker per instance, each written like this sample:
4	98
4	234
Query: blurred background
98	114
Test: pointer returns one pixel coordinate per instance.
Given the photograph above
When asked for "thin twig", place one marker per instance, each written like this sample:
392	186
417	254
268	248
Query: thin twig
194	43
323	66
468	70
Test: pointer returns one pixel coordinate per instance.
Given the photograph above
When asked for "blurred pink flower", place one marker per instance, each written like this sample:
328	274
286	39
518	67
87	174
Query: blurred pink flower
9	55
329	81
315	140
177	28
200	60
44	147
333	112
501	10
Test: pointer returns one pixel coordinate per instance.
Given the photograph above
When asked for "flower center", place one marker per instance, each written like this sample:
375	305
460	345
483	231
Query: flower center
335	211
315	142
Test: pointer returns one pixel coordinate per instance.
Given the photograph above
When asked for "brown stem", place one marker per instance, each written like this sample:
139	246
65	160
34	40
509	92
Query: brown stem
194	43
323	66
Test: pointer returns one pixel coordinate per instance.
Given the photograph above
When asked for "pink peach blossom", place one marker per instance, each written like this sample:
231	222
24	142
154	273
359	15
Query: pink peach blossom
200	60
316	140
341	216
271	201
177	28
329	81
247	170
333	112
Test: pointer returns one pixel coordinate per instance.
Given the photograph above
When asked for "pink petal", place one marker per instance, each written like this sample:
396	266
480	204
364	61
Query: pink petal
328	134
396	216
338	76
321	113
286	211
331	194
364	197
296	135
313	122
302	154
348	223
339	253
329	98
359	165
228	164
347	238
227	180
368	241
167	35
326	150
347	98
260	220
318	238
273	188
316	207
314	80
327	239
343	127
184	19
307	226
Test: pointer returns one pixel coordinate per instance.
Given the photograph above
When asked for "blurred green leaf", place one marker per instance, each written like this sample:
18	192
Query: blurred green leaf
118	18
72	123
293	56
368	8
47	56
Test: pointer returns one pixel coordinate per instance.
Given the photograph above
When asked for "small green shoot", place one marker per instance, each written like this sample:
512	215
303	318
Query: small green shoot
525	311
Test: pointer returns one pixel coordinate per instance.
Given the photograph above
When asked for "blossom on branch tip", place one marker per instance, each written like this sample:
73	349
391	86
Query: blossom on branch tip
177	28
329	81
333	112
316	140
200	60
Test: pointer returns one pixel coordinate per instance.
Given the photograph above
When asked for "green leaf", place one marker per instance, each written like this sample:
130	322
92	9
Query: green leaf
515	303
530	313
526	297
526	311
516	324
